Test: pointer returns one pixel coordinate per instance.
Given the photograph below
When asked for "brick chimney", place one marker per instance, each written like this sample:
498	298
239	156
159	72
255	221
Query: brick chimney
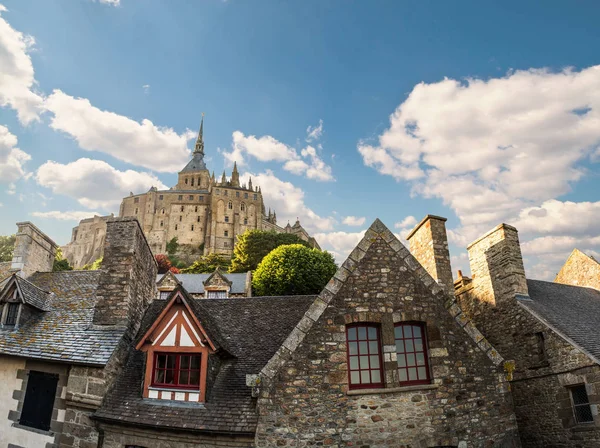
497	265
34	250
429	245
127	281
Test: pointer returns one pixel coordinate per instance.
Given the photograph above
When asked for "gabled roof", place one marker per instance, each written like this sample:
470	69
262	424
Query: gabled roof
64	332
215	278
573	312
376	231
28	292
194	283
253	330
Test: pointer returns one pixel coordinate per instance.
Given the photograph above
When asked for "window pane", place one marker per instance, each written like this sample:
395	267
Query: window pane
410	360
375	376
364	377
353	362
160	376
400	346
363	348
354	377
375	362
364	362
194	377
169	377
422	373
401	361
398	332
352	334
583	414
416	331
362	333
403	375
184	362
184	377
418	345
373	347
409	345
412	374
162	361
171	361
353	348
195	362
420	359
372	333
407	331
579	395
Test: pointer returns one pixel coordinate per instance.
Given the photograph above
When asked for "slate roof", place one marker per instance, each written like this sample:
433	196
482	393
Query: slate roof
32	295
571	311
63	333
252	331
196	164
193	282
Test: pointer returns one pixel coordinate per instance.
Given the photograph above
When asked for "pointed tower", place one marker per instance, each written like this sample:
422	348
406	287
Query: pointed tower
195	176
199	149
250	184
235	176
223	179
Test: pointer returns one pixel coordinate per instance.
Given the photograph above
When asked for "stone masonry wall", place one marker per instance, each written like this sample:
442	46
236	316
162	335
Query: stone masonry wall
34	250
580	270
308	402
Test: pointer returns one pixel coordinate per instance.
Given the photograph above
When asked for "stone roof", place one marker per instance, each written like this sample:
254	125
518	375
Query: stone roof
32	295
63	332
247	332
573	312
194	283
196	164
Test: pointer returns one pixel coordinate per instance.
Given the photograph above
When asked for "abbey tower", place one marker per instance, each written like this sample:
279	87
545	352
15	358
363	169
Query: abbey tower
204	214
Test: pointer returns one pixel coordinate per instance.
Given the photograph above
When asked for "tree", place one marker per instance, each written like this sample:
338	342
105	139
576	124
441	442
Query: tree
172	246
7	245
61	263
164	264
207	264
253	245
97	264
293	270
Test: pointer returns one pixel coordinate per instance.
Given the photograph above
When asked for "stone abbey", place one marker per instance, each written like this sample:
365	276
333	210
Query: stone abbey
204	214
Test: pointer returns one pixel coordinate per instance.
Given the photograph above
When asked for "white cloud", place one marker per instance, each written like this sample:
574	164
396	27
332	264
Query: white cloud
496	150
314	133
146	88
354	220
111	2
288	201
409	221
17	79
340	244
269	149
65	216
143	144
12	159
94	183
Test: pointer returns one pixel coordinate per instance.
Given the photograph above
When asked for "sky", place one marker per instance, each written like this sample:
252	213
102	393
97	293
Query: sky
342	111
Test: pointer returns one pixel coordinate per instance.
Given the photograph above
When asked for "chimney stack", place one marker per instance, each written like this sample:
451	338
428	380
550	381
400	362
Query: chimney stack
127	281
497	265
429	245
34	251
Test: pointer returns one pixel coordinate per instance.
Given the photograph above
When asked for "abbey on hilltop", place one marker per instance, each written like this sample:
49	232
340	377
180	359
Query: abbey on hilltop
204	214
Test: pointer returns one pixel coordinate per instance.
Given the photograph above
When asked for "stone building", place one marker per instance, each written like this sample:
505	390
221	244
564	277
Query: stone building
203	213
218	285
548	332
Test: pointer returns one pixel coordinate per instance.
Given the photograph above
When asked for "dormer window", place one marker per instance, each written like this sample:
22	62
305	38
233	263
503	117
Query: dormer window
12	313
176	370
216	294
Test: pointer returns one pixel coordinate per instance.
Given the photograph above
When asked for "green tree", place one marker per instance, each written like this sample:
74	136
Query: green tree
7	245
207	264
253	245
172	246
97	264
61	263
293	270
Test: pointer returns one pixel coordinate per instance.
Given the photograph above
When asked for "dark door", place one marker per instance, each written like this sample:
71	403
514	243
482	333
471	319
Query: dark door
39	400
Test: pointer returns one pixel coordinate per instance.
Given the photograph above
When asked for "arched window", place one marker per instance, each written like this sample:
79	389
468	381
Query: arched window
182	208
186	181
192	182
364	356
162	211
411	352
243	207
230	205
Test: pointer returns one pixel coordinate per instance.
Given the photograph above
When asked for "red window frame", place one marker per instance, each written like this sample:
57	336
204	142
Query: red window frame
363	352
179	373
412	354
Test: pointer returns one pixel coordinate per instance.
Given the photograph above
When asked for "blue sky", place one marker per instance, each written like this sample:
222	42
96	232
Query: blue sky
483	112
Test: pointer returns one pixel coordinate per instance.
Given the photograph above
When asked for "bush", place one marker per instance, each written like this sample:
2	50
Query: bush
207	264
293	270
60	263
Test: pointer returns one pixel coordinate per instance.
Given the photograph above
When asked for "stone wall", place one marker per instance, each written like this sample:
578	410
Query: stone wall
308	403
87	241
580	270
34	251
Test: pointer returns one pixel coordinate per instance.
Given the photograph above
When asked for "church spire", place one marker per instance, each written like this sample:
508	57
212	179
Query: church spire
200	140
235	176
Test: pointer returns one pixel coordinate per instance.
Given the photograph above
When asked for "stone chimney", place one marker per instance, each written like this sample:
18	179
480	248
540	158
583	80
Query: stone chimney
34	251
127	281
429	245
497	265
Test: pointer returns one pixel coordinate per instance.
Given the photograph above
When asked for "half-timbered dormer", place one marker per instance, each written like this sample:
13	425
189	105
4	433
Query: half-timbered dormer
177	349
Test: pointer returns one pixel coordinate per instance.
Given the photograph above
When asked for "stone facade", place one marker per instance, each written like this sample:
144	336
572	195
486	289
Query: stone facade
580	270
204	214
305	399
34	251
543	364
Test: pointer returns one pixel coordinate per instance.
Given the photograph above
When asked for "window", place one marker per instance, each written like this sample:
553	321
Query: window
180	197
217	191
196	208
176	370
198	181
245	195
237	194
255	196
226	233
186	181
192	184
364	356
160	197
39	400
197	218
581	404
11	314
216	294
191	198
411	350
181	208
245	221
136	211
201	198
161	223
225	244
180	218
164	295
162	211
175	226
243	207
230	205
136	200
226	218
192	227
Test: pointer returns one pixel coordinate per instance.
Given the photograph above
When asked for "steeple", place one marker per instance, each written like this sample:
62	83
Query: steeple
250	184
200	140
235	176
223	179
